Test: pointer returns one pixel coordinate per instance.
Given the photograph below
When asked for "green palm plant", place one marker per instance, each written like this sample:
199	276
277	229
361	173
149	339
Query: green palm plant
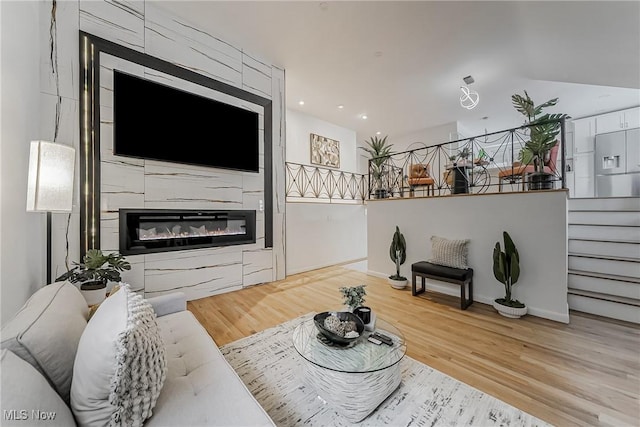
543	131
398	253
506	268
379	151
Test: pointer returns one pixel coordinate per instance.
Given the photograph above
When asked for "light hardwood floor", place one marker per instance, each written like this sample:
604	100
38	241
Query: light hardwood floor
583	373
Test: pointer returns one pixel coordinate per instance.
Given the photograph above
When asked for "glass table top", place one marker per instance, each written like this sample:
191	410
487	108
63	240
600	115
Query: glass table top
362	356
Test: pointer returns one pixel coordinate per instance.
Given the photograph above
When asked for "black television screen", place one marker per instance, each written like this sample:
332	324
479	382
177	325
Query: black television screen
154	121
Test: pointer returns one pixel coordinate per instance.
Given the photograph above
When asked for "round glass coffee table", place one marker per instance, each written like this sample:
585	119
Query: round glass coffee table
356	379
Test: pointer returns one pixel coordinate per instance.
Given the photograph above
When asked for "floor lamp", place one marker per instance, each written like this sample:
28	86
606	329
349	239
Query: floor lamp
50	183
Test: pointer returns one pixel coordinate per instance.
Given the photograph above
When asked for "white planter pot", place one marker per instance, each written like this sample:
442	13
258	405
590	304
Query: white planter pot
398	284
510	312
94	297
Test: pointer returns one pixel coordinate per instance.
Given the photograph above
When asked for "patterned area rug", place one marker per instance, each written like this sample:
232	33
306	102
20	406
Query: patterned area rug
271	368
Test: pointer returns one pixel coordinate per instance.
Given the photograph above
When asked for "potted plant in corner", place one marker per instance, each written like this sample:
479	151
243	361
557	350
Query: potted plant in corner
95	272
398	254
379	152
506	268
542	138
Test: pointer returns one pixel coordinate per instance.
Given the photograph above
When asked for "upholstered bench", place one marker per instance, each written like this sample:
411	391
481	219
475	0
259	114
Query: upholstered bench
458	276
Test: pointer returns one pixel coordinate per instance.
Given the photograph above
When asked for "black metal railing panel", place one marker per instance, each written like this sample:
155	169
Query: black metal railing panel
306	182
480	164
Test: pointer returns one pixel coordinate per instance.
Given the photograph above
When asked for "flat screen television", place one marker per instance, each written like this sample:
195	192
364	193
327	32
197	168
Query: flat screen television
155	121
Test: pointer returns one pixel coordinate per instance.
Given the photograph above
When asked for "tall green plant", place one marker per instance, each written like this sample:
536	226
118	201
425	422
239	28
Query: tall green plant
543	132
398	253
506	268
379	151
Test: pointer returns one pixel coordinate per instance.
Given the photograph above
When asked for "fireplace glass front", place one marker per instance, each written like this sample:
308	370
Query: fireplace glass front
155	230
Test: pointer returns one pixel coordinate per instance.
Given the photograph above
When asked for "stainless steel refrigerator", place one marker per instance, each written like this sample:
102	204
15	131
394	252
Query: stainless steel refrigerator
617	164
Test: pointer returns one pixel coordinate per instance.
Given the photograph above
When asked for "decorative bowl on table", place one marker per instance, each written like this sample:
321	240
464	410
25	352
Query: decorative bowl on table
344	318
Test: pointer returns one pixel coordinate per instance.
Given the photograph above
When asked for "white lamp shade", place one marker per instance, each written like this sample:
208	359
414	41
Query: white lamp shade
50	177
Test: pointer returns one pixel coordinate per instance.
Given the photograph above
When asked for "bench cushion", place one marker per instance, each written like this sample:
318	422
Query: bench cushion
425	267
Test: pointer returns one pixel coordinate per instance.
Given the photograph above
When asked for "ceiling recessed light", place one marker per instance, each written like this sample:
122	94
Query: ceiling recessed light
301	102
378	133
340	106
364	117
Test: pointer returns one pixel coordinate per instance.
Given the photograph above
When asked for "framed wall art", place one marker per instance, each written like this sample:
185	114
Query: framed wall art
325	151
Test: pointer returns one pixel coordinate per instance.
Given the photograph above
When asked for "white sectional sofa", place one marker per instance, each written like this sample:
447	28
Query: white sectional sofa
39	347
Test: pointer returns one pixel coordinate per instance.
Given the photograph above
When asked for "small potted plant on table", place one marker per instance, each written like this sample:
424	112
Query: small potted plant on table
353	296
95	272
398	254
506	268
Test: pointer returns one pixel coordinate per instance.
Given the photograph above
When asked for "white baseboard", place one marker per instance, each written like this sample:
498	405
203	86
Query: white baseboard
454	290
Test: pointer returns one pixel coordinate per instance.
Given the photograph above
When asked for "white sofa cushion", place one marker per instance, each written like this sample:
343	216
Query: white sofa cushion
27	397
201	387
46	331
120	366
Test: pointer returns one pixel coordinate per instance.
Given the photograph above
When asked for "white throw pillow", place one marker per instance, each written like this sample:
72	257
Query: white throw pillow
120	365
450	253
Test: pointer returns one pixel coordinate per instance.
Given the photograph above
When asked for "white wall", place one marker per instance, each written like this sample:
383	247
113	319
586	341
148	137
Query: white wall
301	125
22	260
429	136
321	234
536	221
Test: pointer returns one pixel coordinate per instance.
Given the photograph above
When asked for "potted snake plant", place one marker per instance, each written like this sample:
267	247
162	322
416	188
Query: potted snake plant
506	268
398	254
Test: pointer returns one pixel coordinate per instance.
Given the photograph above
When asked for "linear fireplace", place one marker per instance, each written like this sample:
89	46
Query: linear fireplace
144	231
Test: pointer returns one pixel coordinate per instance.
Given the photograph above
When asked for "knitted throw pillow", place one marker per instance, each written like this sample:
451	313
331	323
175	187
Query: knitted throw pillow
120	365
450	253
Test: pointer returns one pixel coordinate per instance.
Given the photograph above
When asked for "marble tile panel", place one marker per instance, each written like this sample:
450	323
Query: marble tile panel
188	186
279	173
109	240
135	276
59	68
252	182
198	273
256	76
118	176
257	266
119	21
176	41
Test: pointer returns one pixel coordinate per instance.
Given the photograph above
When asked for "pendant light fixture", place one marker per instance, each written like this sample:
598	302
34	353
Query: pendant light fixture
469	98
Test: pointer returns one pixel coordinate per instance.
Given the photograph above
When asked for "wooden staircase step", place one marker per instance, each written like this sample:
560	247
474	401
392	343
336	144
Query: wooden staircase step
605	276
605	297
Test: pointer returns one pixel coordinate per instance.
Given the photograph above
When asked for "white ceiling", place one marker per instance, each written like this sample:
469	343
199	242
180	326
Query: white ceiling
402	63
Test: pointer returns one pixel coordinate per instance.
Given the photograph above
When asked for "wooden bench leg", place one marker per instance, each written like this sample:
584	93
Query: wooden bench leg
464	301
414	285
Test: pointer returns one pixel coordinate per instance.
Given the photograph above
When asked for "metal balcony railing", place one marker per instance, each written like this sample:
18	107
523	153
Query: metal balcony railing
480	164
305	183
